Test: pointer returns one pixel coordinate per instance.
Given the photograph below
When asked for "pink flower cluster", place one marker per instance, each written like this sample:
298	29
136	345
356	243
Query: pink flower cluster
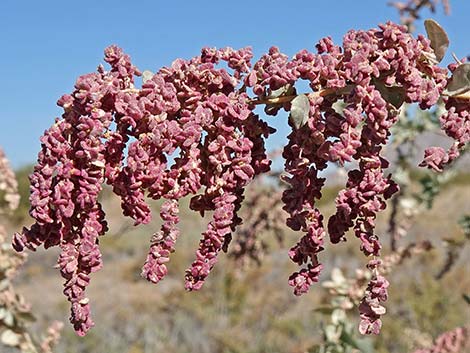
454	341
455	122
370	306
366	74
191	130
262	215
66	182
162	243
8	185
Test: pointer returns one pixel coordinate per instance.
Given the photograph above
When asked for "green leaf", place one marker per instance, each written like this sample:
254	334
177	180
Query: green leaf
460	80
147	75
331	333
337	276
395	95
430	187
338	316
7	317
347	338
365	345
438	37
3	313
300	108
283	91
287	90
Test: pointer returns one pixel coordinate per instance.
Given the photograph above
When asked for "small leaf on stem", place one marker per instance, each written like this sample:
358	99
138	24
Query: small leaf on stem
460	80
10	338
146	75
287	90
395	95
300	107
438	37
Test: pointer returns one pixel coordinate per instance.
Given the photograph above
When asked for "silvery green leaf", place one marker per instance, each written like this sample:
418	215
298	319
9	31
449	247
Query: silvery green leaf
438	37
338	316
273	108
10	338
402	176
300	108
329	284
394	95
331	333
146	75
409	205
8	318
337	276
3	313
286	90
365	345
460	80
348	338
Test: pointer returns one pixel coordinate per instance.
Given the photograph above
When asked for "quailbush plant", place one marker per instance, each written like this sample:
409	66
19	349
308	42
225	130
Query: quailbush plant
191	130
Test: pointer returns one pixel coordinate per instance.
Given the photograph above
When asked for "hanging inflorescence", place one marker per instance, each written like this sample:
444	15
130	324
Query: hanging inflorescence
453	341
191	130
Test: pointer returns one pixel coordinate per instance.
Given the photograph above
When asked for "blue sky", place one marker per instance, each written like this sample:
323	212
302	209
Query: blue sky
46	45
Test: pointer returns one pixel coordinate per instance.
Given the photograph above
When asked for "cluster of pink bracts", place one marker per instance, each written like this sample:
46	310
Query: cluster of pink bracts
454	341
191	130
8	184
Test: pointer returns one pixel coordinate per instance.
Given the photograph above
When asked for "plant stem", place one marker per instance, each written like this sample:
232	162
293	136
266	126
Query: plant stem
321	93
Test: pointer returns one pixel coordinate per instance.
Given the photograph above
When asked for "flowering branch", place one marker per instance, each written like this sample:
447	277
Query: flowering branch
191	131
